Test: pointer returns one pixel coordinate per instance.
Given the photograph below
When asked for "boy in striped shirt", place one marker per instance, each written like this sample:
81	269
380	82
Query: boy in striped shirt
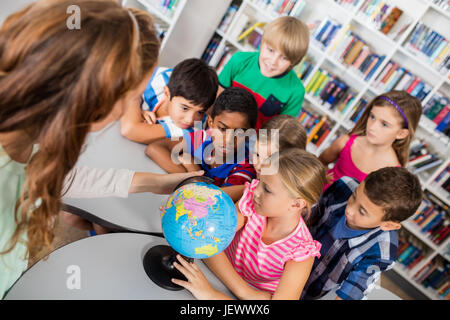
173	100
356	225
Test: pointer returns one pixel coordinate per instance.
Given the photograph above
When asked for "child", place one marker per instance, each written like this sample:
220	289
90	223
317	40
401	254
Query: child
291	134
272	254
268	74
172	102
217	150
380	138
357	228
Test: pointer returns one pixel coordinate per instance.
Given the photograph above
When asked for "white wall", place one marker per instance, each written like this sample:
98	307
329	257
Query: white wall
9	6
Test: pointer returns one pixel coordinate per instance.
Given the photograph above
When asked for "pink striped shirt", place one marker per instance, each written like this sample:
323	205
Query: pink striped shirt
259	264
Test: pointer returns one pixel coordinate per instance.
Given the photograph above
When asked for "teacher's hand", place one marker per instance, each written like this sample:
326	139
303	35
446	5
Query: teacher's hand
159	183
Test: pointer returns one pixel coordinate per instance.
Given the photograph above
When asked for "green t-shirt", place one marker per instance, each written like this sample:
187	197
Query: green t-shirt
13	264
283	94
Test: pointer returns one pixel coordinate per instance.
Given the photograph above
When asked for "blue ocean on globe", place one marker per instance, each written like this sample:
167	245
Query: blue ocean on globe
199	220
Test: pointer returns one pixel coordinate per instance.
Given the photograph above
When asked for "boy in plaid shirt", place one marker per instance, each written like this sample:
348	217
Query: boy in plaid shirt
356	225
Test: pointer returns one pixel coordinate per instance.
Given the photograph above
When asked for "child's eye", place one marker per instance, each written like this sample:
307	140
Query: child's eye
371	116
266	190
385	124
361	212
201	113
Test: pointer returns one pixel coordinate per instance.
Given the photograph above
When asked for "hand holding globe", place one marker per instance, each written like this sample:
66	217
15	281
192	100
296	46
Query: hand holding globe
198	220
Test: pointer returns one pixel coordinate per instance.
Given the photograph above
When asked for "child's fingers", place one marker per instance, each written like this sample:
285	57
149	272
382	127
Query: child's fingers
149	117
186	264
182	283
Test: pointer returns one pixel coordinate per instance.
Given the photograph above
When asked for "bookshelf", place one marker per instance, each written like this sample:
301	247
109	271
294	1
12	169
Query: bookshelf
185	26
389	48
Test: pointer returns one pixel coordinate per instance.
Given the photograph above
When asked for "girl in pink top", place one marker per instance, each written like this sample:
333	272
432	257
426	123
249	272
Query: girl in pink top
272	253
380	138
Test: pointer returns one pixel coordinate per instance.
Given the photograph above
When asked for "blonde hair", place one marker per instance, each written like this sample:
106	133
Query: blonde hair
290	36
303	175
291	134
411	107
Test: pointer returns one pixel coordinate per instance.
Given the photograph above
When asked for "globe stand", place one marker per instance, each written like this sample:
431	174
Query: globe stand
158	264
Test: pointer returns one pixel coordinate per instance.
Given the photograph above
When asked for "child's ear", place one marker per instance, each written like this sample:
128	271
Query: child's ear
390	225
402	134
210	121
166	92
299	204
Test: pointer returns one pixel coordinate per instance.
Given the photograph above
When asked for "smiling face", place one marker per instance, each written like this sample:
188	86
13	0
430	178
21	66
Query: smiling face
272	62
361	213
183	112
384	126
223	126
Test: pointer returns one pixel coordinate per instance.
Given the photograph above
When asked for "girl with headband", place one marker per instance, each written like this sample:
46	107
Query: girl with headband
380	138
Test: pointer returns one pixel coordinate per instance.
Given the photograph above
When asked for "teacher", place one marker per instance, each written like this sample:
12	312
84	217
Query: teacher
57	84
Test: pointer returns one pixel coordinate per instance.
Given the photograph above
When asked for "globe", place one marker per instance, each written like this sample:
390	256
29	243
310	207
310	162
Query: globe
199	220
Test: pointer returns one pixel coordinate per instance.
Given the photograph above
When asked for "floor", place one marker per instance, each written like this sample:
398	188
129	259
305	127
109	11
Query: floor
66	234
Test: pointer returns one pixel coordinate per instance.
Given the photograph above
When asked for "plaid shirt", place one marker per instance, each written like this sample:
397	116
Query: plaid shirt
350	265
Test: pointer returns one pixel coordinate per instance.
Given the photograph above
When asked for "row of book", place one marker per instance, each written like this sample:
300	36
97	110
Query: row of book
442	180
389	20
444	4
349	4
435	275
304	68
211	48
282	7
167	7
355	53
437	109
430	46
228	17
410	250
323	32
394	77
421	158
226	55
317	127
432	219
254	38
358	109
330	90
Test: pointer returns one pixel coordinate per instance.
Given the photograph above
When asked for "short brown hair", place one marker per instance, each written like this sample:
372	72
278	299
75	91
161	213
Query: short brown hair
195	81
291	132
396	190
290	36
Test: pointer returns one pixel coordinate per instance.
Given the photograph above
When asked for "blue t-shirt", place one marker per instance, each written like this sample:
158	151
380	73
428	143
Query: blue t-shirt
154	91
200	146
342	231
